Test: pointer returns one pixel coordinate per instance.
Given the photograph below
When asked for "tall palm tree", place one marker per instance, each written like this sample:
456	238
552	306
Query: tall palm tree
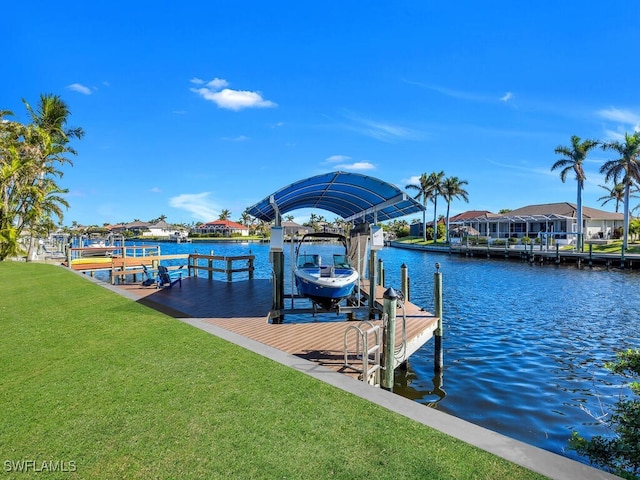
51	114
435	188
452	188
423	195
625	168
573	159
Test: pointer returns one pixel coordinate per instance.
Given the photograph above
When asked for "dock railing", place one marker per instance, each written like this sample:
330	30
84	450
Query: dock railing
207	263
129	260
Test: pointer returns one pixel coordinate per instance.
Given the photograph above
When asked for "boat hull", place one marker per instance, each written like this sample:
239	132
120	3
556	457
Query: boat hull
326	289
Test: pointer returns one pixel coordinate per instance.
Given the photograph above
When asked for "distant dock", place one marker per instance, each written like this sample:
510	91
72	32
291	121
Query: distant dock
535	255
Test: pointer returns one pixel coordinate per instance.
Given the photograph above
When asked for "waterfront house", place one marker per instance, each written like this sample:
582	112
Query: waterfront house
293	229
558	220
224	228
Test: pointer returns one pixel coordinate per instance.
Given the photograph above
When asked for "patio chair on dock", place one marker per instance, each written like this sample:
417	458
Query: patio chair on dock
167	278
150	276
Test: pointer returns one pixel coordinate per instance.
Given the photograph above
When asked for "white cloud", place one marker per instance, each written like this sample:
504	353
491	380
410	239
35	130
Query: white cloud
337	158
217	83
197	204
197	81
507	96
235	99
77	87
239	138
156	190
415	180
622	116
356	166
385	132
228	98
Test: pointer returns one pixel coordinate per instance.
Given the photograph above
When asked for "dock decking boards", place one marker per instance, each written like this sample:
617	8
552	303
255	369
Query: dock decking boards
243	307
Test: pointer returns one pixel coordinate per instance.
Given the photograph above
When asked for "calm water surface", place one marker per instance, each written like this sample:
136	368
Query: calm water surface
524	344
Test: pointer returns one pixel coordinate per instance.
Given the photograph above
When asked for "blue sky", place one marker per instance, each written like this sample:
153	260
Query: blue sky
191	108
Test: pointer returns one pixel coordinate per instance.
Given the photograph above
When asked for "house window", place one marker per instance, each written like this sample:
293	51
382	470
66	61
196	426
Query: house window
519	228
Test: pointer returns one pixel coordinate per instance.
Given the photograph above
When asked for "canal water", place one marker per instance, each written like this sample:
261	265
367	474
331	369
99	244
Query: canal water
524	345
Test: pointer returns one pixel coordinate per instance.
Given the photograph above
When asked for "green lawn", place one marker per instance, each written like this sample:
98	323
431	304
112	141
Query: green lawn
122	391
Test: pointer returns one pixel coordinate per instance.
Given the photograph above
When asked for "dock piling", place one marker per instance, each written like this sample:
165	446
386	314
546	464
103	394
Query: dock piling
389	308
438	333
404	282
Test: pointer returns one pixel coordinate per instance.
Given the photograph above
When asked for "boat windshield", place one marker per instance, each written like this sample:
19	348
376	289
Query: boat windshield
341	261
309	261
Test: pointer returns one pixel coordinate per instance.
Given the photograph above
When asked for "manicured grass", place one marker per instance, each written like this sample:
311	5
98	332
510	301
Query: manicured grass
123	391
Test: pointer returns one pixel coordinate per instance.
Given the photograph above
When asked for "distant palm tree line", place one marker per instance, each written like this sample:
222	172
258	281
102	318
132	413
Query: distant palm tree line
432	186
623	171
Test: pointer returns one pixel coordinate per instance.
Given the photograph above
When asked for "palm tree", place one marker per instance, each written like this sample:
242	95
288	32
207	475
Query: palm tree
572	159
614	193
29	159
225	215
245	219
51	115
435	188
452	188
423	195
627	168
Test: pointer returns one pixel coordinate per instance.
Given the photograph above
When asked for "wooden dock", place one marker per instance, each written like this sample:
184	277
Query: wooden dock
243	307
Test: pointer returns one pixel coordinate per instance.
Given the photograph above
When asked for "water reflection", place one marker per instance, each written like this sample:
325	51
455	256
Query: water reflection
409	385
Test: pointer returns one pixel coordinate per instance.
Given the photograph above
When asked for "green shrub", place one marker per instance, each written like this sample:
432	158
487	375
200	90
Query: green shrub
619	453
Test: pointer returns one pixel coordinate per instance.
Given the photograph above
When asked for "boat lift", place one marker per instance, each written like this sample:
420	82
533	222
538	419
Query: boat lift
357	198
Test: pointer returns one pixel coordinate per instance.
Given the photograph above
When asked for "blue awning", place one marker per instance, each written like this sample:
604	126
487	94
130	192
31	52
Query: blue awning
352	196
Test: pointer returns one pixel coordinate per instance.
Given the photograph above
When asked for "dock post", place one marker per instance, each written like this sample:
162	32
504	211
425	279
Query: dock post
590	255
372	282
278	270
229	269
622	257
438	358
531	252
389	308
404	282
250	265
557	254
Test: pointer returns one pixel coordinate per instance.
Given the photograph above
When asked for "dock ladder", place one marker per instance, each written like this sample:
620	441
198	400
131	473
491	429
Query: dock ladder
368	350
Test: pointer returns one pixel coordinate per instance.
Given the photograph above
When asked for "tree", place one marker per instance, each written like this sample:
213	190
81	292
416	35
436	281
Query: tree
30	156
452	188
51	115
435	189
620	453
573	159
246	219
224	215
625	168
614	193
423	195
